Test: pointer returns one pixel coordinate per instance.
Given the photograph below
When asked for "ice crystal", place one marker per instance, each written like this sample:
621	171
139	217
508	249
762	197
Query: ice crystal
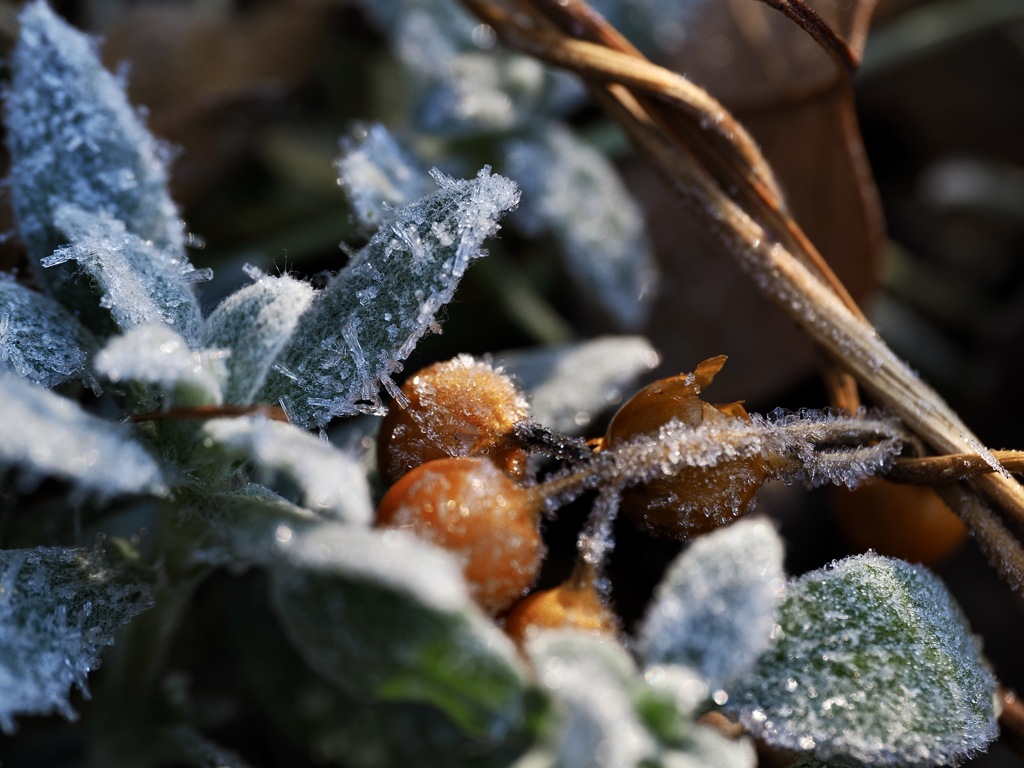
74	138
371	315
571	188
157	356
569	386
45	435
358	606
139	282
58	609
39	339
297	465
733	572
873	661
379	175
255	324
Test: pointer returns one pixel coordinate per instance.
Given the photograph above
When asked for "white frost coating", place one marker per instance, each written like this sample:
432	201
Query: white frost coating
716	607
39	339
45	435
593	681
570	386
58	609
873	661
392	558
379	175
571	189
386	299
139	283
156	355
74	138
255	323
327	480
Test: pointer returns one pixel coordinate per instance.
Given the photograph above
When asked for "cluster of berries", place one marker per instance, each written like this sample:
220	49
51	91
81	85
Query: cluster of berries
456	461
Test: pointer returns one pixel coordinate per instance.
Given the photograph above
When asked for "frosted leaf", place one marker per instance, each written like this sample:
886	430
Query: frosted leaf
45	435
300	466
371	315
594	682
255	324
138	282
571	189
157	356
74	138
707	748
58	609
243	529
873	661
379	175
385	615
716	607
39	339
569	386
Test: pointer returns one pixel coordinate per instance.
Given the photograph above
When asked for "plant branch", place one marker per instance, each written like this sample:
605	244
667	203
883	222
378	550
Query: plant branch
657	112
797	10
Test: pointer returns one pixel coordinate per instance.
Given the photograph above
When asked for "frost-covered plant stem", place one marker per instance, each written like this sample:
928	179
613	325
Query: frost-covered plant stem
813	447
753	227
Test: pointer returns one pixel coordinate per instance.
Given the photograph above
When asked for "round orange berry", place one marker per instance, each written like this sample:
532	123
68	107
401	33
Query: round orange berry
575	604
460	407
695	499
474	510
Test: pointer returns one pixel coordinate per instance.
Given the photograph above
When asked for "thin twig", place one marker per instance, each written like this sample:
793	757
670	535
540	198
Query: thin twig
935	470
204	412
797	10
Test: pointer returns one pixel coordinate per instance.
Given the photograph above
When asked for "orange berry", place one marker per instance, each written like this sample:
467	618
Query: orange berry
461	407
696	499
907	521
471	508
575	604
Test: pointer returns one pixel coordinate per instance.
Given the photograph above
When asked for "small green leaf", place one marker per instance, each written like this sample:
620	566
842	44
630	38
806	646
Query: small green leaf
570	386
379	175
45	435
58	609
39	339
74	138
572	189
369	318
873	662
716	607
157	356
299	466
139	284
254	324
385	615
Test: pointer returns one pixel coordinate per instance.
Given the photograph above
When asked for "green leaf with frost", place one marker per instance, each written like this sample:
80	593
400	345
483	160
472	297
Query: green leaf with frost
241	529
39	339
44	435
158	357
370	316
74	139
138	282
693	619
385	615
59	608
570	386
571	189
873	662
297	465
378	175
607	714
255	324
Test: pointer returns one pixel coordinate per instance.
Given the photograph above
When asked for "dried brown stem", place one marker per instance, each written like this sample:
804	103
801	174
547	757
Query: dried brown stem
818	28
658	112
203	412
935	470
1012	716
